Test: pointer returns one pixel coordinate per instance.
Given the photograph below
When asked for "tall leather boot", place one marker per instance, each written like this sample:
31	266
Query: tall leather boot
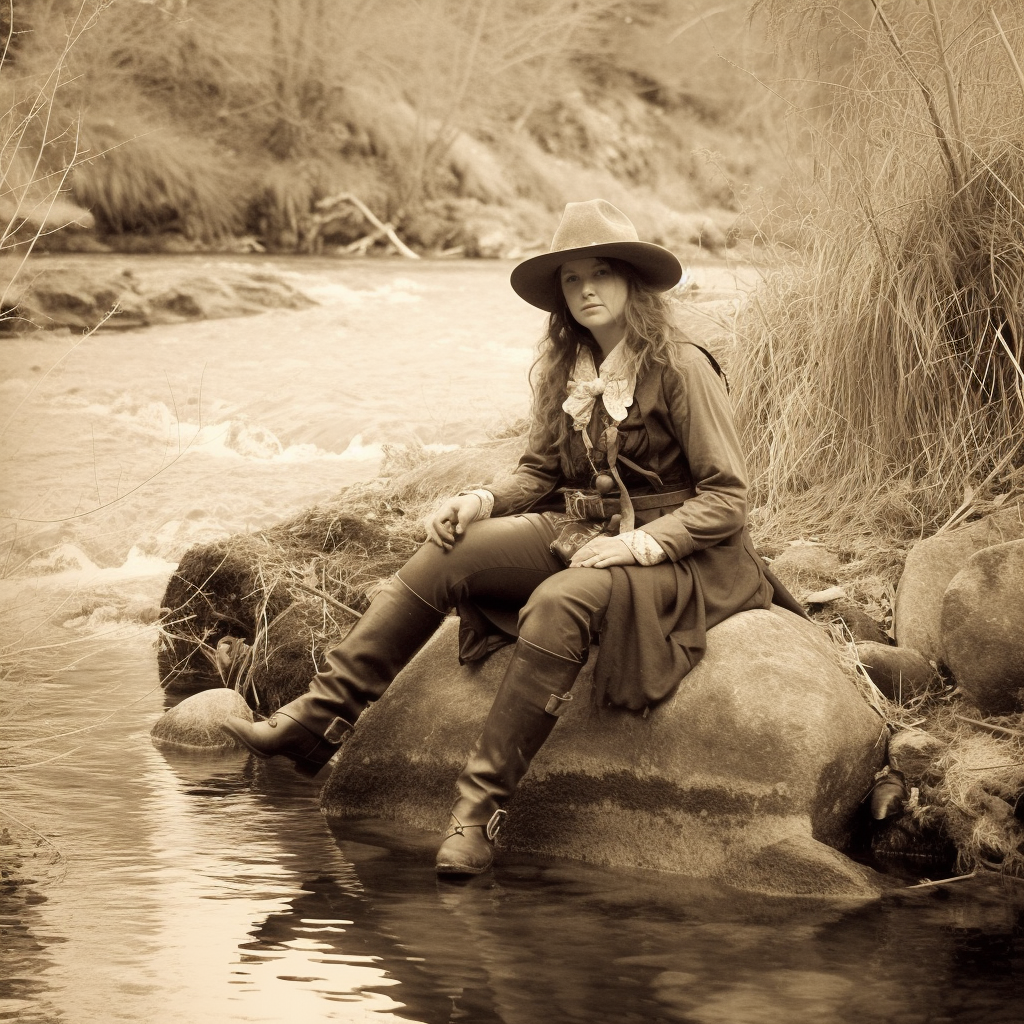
532	695
311	728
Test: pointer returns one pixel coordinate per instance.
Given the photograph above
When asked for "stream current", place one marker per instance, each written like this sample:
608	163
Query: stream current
167	889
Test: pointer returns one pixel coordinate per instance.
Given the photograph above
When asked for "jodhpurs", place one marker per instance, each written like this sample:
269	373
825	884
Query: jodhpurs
508	559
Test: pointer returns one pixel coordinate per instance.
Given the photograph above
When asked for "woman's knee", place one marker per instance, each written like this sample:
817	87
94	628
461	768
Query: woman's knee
566	610
502	545
432	573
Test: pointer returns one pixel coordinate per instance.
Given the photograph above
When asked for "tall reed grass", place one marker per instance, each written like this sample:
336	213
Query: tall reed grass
879	370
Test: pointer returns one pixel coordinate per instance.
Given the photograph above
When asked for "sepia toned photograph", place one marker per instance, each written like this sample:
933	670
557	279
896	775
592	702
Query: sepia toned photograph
512	511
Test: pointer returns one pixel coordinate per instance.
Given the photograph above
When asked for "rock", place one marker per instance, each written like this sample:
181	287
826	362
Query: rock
913	752
76	295
930	566
194	724
859	624
750	774
899	672
982	639
806	567
471	226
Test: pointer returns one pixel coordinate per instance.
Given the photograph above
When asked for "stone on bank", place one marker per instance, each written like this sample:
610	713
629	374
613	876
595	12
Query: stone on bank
750	774
930	567
983	628
195	723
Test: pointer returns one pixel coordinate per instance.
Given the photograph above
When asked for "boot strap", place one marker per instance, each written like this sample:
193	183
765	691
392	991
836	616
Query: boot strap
491	829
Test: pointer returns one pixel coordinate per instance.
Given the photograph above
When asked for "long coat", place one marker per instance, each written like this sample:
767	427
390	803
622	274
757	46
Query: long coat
679	430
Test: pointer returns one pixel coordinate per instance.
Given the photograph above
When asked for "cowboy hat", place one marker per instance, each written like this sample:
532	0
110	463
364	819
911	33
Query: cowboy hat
592	229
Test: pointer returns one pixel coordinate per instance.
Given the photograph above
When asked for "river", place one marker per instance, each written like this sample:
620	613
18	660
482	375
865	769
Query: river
169	889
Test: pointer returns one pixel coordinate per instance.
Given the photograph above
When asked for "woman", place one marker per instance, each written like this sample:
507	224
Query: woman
624	521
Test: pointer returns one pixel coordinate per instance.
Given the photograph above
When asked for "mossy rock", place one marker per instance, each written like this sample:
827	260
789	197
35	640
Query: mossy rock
195	723
751	773
284	591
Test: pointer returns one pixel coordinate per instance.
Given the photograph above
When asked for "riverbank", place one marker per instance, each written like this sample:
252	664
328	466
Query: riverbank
77	295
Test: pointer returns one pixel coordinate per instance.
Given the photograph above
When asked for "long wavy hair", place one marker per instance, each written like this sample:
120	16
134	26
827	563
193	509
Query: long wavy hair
652	337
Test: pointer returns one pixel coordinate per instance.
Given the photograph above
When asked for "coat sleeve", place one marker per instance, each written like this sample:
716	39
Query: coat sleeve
537	474
700	417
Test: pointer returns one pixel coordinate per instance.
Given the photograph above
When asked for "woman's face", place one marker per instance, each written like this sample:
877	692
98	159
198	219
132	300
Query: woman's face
595	293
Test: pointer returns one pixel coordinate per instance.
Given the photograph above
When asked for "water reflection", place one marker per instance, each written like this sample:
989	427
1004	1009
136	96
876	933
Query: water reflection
240	847
211	889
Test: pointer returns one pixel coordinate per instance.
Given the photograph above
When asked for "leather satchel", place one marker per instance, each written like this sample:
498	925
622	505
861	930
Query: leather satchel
573	535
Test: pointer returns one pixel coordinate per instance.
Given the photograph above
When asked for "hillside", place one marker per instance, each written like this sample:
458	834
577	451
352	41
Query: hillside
220	125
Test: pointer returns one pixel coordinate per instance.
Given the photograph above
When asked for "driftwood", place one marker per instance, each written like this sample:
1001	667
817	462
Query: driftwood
329	209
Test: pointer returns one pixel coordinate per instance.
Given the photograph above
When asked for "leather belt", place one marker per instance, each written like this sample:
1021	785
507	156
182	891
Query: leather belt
590	505
646	501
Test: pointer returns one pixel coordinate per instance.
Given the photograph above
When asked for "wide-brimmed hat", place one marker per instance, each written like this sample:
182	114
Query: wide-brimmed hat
593	229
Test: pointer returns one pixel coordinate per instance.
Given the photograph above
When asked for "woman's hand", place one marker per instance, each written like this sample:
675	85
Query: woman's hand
452	518
602	552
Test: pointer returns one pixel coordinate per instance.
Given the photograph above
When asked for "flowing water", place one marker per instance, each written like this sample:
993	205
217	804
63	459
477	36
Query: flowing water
141	886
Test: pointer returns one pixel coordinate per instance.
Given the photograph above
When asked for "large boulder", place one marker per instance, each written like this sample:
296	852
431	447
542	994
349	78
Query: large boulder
195	723
750	774
931	564
983	628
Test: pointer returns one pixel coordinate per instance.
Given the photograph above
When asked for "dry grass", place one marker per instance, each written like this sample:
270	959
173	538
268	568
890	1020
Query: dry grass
878	370
139	178
966	784
199	114
973	789
291	592
880	376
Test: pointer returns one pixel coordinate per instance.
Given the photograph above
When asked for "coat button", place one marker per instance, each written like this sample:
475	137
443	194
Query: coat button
604	483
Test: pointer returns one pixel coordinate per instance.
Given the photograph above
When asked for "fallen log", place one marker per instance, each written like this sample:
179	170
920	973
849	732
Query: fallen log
328	208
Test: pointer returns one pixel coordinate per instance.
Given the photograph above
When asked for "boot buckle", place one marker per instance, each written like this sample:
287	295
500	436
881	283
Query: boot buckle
335	732
557	705
493	826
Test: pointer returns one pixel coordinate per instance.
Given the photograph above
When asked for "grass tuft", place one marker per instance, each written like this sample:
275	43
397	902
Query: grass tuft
879	373
291	592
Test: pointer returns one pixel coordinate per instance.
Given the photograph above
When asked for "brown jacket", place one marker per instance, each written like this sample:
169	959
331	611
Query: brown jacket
680	427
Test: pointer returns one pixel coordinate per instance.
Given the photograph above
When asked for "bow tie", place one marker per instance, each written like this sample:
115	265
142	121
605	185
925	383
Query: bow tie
613	387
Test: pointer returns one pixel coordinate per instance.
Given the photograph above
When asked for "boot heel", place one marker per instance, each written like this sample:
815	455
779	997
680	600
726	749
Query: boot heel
309	768
283	735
